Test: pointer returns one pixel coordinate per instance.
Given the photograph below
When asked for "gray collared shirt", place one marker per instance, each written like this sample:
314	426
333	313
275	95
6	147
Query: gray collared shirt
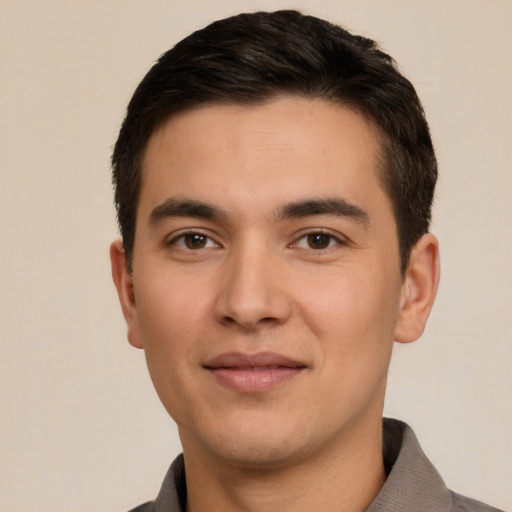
412	484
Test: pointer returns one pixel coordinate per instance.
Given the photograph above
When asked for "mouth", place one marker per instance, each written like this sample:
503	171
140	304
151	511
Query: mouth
253	373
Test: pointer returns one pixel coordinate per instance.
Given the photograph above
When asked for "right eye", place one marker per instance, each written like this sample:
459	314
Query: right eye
193	241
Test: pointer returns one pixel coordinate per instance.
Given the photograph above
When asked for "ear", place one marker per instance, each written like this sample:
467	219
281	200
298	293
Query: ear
124	284
419	289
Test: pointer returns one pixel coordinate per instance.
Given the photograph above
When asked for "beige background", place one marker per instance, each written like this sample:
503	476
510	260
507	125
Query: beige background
80	426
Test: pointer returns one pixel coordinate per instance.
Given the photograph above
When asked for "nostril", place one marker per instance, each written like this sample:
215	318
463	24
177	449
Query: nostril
249	303
249	323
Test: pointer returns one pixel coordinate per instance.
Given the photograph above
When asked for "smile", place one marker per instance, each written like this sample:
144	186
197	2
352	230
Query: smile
252	373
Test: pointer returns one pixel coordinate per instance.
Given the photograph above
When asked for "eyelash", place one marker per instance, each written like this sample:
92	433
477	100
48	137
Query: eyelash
332	240
183	236
181	241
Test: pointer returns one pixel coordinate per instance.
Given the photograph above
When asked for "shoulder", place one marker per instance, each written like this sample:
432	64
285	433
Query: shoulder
413	484
173	493
464	504
145	507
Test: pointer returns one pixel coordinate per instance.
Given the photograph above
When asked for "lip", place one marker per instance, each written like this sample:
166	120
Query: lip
253	373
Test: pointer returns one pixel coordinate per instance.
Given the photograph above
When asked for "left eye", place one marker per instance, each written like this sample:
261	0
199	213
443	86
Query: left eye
193	241
316	241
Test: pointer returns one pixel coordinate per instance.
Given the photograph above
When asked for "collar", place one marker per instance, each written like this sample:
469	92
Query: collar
412	484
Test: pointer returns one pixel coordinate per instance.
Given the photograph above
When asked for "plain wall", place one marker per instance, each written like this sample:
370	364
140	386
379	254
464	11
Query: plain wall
81	428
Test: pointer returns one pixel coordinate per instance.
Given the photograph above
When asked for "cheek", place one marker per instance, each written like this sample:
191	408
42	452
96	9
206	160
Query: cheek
353	318
169	304
172	324
173	321
350	302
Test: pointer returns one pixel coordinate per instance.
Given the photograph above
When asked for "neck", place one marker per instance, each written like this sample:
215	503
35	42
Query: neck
343	477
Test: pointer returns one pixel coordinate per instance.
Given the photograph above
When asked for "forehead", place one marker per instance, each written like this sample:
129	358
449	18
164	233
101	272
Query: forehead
288	146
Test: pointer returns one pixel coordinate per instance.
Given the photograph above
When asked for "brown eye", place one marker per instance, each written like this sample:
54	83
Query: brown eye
318	240
195	240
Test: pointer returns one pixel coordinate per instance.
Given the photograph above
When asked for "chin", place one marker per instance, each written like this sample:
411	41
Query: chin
259	446
261	455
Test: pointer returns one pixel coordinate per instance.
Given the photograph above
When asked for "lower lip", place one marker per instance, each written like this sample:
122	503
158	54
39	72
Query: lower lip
253	380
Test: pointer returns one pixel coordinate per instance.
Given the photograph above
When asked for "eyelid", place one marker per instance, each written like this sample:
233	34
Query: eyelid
338	237
171	239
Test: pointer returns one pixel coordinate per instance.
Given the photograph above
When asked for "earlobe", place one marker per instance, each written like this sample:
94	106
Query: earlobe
418	290
124	285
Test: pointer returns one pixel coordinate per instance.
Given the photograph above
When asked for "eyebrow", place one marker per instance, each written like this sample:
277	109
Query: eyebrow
339	207
183	208
329	206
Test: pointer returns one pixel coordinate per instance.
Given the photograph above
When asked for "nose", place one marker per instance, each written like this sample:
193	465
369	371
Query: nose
252	293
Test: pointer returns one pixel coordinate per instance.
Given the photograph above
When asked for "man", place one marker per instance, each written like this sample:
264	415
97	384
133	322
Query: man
274	178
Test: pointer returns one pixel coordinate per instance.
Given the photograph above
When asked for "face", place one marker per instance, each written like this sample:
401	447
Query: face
266	289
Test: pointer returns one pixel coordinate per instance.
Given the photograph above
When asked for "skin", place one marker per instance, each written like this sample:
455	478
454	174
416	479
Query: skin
322	289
